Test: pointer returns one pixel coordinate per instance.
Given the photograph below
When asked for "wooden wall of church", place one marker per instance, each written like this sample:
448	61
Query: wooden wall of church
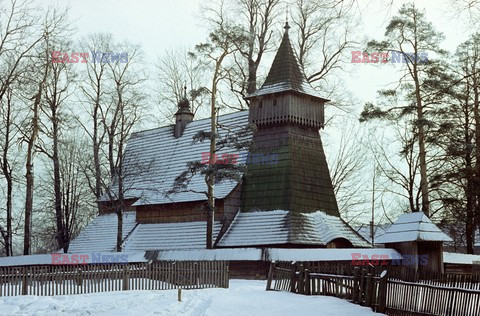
176	212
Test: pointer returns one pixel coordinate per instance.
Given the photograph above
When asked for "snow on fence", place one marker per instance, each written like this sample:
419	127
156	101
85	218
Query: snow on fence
92	278
306	278
394	292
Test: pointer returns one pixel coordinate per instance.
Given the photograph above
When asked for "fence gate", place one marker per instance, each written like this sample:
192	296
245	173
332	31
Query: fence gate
363	287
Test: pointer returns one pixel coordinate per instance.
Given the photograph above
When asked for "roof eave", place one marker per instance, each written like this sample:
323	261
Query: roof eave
258	94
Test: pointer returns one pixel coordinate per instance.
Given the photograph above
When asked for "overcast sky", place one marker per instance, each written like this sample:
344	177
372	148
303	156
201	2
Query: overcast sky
158	25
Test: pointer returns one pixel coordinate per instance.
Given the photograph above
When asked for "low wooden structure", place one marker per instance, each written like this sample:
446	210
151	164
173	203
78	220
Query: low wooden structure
416	236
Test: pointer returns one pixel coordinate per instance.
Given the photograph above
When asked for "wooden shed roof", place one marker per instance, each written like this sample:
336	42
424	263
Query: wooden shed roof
412	227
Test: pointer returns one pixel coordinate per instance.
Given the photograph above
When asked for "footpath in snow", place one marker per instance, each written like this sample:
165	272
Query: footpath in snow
242	298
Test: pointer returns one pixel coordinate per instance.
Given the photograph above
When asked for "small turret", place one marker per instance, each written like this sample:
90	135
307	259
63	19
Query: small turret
183	116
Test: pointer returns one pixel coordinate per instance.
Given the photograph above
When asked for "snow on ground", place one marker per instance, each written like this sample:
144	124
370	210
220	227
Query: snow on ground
242	298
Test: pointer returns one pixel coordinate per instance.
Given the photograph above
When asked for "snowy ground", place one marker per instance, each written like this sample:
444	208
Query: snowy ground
242	298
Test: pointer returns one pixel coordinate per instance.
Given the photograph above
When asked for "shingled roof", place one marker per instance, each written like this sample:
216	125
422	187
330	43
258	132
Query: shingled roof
154	158
248	229
412	227
286	74
284	227
101	234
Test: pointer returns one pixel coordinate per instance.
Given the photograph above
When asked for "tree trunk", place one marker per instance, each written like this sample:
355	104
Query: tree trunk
29	174
96	155
476	112
421	145
252	76
470	186
211	177
7	173
57	183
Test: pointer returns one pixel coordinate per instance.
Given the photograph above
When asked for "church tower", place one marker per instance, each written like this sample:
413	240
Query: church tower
288	114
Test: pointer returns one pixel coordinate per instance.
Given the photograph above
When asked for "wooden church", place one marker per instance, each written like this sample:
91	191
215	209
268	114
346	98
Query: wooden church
286	204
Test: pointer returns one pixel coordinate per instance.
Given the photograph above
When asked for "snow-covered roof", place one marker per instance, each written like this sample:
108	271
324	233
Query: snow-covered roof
328	254
249	229
46	259
154	158
166	236
460	258
413	227
281	227
274	254
101	234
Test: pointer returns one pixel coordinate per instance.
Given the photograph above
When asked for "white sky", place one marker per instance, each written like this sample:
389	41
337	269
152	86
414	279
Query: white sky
158	25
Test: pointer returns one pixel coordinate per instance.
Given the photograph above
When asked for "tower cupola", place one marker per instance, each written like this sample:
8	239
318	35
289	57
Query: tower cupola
286	96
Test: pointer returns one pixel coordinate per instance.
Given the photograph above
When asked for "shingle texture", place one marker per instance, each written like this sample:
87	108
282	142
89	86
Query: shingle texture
169	236
283	227
286	73
101	234
299	182
412	227
154	158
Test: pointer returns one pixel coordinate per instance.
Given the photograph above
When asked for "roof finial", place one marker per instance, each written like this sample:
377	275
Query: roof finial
286	18
185	91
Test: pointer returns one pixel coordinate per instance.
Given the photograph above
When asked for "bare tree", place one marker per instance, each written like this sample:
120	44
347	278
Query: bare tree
175	71
8	133
120	117
324	29
95	92
347	168
254	22
18	39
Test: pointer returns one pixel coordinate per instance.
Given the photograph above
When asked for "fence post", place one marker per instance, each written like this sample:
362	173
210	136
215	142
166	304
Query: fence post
355	284
368	290
24	281
382	292
226	273
270	275
126	278
293	278
308	289
301	280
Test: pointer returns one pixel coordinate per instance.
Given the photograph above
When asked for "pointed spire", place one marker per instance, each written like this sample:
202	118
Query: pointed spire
286	74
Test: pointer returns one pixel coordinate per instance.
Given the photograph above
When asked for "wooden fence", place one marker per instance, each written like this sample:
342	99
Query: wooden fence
394	292
361	288
92	278
427	293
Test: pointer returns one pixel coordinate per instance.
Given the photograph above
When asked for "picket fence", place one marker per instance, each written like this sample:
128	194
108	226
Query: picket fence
93	278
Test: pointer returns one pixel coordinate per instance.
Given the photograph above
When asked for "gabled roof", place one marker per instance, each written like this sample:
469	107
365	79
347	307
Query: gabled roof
169	236
282	227
248	229
154	158
101	234
413	227
286	74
